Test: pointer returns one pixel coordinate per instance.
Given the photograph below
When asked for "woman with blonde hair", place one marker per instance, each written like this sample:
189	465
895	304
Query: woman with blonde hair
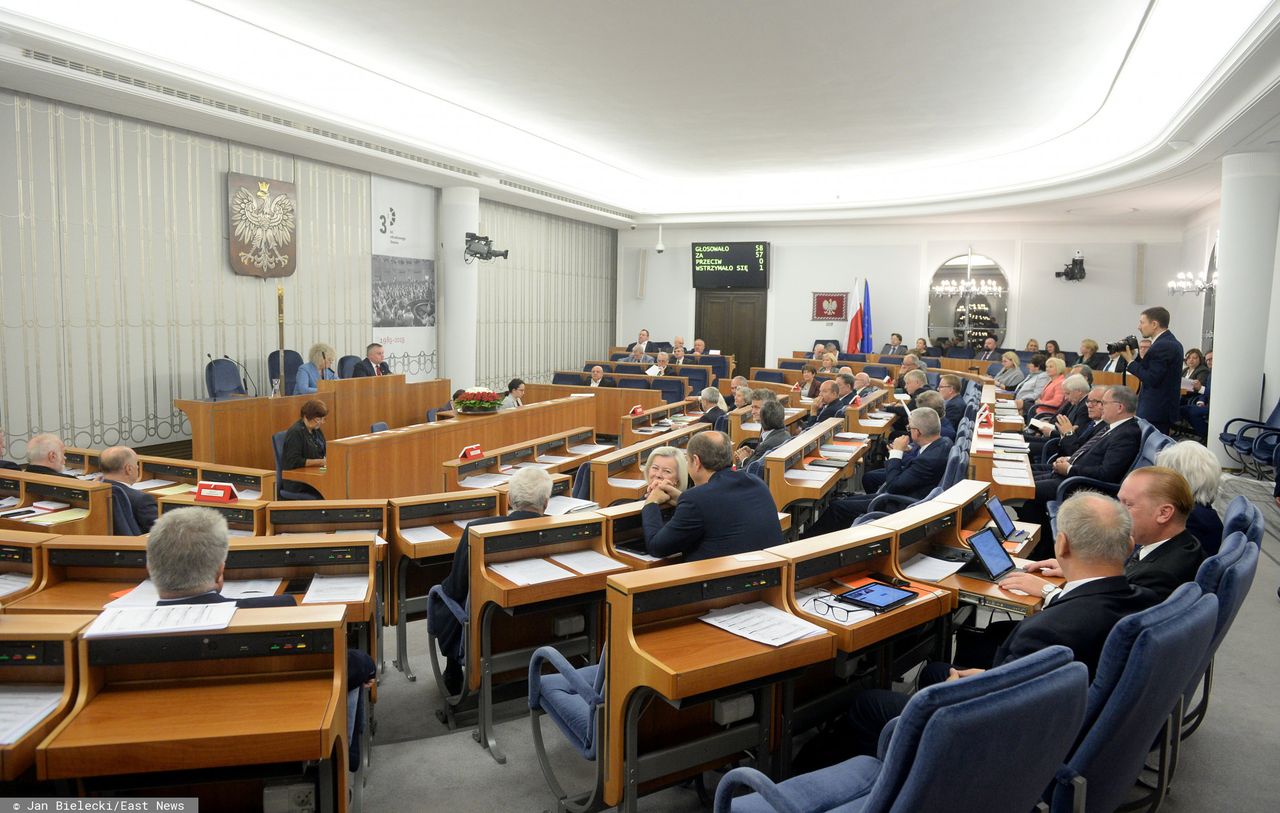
666	464
1010	375
319	367
1053	395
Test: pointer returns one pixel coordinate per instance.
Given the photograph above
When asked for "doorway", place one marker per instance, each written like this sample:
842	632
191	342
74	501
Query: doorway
733	322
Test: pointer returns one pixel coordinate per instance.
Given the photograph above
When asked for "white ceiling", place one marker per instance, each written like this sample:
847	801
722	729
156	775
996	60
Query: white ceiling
722	109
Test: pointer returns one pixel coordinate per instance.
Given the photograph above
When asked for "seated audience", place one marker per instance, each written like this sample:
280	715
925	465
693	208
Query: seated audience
933	400
1194	367
1053	351
726	512
528	493
862	385
921	349
1051	396
1090	356
598	379
909	362
515	395
1116	363
641	343
873	479
1072	416
1195	408
319	367
819	350
699	347
808	384
950	389
713	405
304	445
46	454
1033	346
677	355
741	397
738	381
989	351
677	343
637	355
372	363
1010	375
120	464
187	557
895	347
1203	474
1029	391
666	464
663	363
773	433
829	362
826	405
1083	370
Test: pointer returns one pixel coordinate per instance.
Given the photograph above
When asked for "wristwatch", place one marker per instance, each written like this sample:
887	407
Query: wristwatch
1047	591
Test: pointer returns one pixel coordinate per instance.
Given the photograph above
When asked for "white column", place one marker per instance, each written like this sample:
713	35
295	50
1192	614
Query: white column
1242	347
459	294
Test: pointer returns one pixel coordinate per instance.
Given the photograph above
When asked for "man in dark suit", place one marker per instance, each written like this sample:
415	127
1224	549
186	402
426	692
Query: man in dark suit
773	433
895	347
641	343
1107	454
372	363
1159	370
5	464
1092	545
726	512
46	454
1072	416
872	480
826	405
953	403
597	378
528	493
914	478
989	351
120	464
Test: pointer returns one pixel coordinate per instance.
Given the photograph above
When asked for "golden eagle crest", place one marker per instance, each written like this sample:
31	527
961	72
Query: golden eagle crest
263	224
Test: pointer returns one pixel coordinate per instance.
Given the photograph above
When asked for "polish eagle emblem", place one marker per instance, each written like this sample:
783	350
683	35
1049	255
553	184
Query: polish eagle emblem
263	222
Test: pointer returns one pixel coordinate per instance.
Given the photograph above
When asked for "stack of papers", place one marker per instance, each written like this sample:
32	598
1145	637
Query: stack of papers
881	414
532	465
424	533
1010	477
873	422
180	488
809	475
625	482
54	517
487	480
762	623
50	505
584	448
12	583
552	459
650	430
530	571
325	589
147	485
23	706
819	602
116	622
922	567
587	562
853	436
9	502
560	505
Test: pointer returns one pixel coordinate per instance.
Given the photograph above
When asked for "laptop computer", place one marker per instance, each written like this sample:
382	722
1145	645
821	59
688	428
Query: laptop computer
1004	527
990	560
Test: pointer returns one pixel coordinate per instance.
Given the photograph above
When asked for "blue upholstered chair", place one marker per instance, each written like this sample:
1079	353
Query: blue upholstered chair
960	352
697	379
380	426
573	698
630	368
1228	575
1146	664
1238	434
347	366
123	522
876	371
892	503
793	364
1152	441
634	383
582	482
283	492
566	377
292	361
672	387
222	379
929	361
995	368
941	754
1243	516
721	424
772	376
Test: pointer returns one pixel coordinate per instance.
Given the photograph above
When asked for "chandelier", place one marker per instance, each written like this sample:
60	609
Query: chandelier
1185	283
959	287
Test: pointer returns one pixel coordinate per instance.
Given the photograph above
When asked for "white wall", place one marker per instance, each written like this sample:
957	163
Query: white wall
899	261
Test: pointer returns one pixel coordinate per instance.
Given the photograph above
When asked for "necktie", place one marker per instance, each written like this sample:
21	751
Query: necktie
1134	557
1103	429
377	370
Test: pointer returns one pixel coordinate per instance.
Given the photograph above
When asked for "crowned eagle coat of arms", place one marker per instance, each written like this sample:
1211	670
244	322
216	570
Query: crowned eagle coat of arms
263	218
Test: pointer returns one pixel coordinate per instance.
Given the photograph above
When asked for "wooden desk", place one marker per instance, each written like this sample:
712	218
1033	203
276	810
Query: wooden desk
607	403
972	497
237	431
659	649
490	650
657	420
409	460
30	488
434	558
250	483
504	458
244	517
800	449
20	554
982	467
270	688
628	463
742	428
37	650
624	535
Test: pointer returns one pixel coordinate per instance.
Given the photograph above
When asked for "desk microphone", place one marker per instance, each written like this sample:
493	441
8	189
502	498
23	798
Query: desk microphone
245	370
212	390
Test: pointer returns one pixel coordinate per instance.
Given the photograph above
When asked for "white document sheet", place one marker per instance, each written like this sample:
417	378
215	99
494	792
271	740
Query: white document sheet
751	426
8	502
462	523
117	622
552	459
922	567
853	436
762	623
50	505
424	533
529	464
530	571
1188	383
327	589
625	482
1006	477
582	395
812	599
13	582
239	532
1005	454
250	588
23	706
1009	463
809	475
250	494
587	562
873	422
488	480
583	448
560	505
882	415
147	485
796	411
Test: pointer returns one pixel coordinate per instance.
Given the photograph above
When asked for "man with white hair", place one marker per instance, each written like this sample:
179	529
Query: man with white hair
46	454
187	556
528	493
120	464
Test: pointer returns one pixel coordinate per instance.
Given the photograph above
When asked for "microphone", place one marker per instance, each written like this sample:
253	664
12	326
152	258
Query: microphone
213	391
245	370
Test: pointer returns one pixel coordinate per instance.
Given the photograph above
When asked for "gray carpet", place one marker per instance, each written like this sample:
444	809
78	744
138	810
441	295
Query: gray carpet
1232	762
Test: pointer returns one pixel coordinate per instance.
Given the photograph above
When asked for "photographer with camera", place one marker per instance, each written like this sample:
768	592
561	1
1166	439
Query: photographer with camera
1159	369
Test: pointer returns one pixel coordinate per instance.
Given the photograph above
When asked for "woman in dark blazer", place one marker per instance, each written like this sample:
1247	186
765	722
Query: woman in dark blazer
713	406
1194	366
1089	355
809	382
304	444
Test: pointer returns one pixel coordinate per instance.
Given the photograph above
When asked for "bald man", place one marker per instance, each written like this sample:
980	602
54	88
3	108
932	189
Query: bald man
46	454
119	464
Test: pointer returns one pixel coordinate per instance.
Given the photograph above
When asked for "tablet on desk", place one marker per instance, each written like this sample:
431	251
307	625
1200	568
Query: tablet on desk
877	597
1005	528
994	562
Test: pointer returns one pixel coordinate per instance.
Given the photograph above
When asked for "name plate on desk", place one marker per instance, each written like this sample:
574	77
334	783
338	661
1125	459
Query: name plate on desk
215	492
470	452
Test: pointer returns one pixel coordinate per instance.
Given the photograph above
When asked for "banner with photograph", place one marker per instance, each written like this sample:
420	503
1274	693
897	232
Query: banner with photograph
404	276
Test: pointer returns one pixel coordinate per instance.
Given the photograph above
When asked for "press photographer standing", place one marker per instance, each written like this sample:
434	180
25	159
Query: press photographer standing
1159	370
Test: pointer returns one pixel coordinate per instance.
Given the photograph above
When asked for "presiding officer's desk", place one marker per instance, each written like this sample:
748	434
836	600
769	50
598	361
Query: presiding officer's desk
528	612
177	710
624	535
244	517
834	562
660	650
619	476
21	566
37	652
424	533
182	474
791	492
94	499
407	461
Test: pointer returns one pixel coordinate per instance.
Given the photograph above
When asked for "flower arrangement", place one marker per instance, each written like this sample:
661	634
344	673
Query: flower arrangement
477	400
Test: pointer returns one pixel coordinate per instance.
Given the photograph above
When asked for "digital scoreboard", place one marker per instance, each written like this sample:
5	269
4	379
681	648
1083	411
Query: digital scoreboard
731	265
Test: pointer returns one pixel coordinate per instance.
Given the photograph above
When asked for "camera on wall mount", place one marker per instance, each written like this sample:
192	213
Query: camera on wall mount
1130	342
481	248
1074	270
